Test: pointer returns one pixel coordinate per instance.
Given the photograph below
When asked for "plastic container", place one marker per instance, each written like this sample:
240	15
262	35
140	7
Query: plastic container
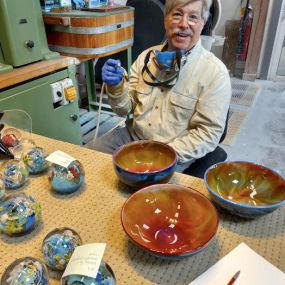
209	41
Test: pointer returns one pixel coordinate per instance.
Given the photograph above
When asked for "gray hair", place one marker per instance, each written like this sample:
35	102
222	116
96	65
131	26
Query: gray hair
171	4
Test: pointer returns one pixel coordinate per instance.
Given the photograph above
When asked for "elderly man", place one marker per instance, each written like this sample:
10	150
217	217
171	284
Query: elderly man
178	92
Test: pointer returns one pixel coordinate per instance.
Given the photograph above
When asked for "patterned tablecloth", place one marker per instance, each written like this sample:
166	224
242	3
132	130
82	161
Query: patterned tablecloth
94	212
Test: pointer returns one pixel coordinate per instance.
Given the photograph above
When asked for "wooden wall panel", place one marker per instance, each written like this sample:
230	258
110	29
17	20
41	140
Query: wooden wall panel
260	8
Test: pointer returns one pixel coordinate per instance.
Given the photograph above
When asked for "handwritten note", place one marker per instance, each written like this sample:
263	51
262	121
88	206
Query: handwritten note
254	269
85	260
61	158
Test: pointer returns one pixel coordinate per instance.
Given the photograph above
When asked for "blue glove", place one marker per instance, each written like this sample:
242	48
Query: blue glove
112	72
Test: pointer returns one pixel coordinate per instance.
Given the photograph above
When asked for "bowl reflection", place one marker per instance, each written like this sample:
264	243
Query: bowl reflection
170	220
143	163
245	189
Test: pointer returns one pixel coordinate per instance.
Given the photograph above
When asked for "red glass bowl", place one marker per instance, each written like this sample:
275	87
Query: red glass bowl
170	220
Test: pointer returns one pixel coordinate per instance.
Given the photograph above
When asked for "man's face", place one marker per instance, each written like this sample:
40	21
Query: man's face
184	25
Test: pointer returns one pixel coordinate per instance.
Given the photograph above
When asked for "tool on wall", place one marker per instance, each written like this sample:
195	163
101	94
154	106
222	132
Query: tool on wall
245	30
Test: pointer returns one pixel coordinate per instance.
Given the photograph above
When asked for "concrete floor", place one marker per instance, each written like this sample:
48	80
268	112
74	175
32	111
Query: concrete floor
261	139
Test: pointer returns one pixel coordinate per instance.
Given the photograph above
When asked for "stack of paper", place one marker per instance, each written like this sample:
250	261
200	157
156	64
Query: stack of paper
254	269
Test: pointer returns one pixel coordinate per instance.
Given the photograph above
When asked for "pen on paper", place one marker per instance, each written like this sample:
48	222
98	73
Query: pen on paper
234	278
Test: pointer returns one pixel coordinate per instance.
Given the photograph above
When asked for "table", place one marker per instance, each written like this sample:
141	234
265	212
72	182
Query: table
94	212
34	70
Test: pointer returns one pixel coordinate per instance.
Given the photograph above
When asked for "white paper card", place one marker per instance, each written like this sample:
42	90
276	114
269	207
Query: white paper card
254	269
85	260
61	158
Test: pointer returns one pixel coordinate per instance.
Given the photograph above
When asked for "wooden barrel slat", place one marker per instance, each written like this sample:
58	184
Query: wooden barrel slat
101	21
90	41
87	34
86	56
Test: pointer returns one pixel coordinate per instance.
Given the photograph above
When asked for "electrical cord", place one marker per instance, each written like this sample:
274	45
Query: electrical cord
104	88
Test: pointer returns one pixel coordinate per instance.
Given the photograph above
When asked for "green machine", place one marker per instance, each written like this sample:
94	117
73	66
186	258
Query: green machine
22	34
24	49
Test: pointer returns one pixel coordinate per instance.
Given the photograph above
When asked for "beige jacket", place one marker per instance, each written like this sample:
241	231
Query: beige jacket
190	116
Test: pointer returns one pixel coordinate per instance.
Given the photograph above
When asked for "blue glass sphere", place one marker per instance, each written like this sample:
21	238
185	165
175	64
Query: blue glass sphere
19	214
58	247
2	188
35	160
66	180
14	173
105	276
25	271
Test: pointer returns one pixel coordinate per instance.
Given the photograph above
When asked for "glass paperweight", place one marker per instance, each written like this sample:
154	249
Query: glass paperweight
2	188
25	271
11	137
66	180
19	214
105	276
35	159
58	247
14	173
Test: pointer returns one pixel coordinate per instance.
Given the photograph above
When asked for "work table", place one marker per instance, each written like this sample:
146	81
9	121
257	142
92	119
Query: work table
34	70
94	212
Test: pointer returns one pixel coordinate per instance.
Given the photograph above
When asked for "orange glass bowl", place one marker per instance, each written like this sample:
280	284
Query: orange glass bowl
244	188
142	163
169	220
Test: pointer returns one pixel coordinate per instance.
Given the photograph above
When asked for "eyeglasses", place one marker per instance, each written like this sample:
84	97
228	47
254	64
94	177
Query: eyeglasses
192	19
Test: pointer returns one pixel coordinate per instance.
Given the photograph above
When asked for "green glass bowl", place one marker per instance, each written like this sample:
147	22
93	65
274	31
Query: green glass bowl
244	188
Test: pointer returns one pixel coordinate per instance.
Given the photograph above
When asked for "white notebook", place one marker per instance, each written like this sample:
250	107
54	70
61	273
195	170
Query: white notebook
254	269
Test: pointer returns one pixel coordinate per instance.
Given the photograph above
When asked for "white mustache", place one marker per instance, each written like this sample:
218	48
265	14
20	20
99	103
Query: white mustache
184	33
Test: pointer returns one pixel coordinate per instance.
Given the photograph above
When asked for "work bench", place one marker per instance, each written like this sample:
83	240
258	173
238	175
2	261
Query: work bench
94	211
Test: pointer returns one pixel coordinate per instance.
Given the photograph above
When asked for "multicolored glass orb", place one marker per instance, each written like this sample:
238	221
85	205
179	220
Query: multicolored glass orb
35	159
105	276
14	173
11	137
25	271
58	247
19	214
66	180
244	188
2	188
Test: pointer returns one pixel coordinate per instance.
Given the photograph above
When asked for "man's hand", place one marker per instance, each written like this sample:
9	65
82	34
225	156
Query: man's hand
112	73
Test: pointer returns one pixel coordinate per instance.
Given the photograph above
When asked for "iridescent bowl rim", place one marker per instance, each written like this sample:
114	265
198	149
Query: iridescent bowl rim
177	253
144	142
245	206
